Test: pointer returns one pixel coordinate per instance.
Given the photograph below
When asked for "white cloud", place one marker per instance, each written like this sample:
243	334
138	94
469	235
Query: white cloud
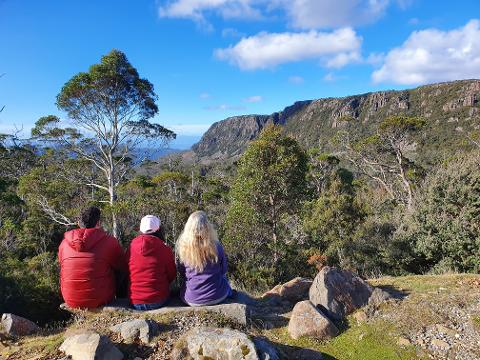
297	80
433	55
300	14
189	129
205	96
253	99
315	14
231	32
196	10
332	77
267	50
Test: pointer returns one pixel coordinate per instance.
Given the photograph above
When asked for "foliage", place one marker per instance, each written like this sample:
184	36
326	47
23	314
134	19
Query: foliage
383	156
444	228
110	106
29	288
266	194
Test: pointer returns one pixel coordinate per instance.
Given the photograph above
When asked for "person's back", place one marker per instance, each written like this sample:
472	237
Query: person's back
203	263
88	260
208	286
152	267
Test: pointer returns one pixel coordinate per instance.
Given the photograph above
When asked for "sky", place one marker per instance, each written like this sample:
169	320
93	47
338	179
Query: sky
211	59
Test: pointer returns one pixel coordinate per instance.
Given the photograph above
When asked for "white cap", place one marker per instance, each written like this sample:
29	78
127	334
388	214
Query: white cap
149	224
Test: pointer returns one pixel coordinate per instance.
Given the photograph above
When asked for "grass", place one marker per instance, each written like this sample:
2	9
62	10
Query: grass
38	345
366	341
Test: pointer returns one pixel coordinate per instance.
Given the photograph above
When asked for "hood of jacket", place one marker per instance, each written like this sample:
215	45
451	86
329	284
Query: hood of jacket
148	243
84	239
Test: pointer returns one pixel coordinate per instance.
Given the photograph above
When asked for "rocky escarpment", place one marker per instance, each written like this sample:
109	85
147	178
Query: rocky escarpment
449	108
229	137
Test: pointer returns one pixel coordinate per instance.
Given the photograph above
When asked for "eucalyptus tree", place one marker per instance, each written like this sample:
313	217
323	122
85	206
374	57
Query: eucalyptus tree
109	108
382	157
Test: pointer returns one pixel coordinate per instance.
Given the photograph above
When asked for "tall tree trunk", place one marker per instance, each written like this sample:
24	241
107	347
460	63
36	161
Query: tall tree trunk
113	197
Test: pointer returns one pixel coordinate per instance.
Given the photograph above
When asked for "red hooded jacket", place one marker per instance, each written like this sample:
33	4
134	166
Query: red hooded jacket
88	259
152	269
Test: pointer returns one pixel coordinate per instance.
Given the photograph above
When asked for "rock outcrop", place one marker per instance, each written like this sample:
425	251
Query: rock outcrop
137	329
307	320
17	325
339	293
236	311
293	290
90	346
215	343
315	122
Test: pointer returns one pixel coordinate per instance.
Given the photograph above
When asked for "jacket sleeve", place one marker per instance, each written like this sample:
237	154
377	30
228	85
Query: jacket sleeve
170	267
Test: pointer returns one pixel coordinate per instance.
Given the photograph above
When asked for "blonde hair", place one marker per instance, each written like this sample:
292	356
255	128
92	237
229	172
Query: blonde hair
197	244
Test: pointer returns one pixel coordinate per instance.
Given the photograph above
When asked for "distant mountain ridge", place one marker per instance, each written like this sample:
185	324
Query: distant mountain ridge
449	108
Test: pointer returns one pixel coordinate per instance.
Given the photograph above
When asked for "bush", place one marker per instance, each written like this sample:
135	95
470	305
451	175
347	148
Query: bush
444	227
29	288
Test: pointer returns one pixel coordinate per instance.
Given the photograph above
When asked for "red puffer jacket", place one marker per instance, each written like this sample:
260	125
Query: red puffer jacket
152	269
88	259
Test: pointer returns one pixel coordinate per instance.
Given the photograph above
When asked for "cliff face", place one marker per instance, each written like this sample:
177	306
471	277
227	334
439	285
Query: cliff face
229	137
448	107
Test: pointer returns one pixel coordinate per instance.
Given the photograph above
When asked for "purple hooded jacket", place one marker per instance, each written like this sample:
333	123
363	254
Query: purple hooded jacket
210	284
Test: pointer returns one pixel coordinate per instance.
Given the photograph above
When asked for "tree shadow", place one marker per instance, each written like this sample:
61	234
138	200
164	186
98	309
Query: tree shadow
299	353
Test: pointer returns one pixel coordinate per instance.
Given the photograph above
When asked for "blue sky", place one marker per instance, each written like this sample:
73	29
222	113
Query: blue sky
210	59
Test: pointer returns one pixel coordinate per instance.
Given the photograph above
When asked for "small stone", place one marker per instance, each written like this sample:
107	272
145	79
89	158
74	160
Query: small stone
89	346
18	326
402	341
445	330
132	330
378	297
360	316
440	344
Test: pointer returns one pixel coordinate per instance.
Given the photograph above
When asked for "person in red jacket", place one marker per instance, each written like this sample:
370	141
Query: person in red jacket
152	266
89	258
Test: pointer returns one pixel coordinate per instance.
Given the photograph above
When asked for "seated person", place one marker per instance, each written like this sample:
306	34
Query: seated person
89	258
202	262
152	266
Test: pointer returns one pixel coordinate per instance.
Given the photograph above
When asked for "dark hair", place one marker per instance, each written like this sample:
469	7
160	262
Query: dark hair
160	233
90	217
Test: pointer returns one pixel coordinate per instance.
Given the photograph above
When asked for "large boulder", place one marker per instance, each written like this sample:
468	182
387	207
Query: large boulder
132	330
339	292
90	346
237	309
307	320
18	326
202	343
293	290
233	311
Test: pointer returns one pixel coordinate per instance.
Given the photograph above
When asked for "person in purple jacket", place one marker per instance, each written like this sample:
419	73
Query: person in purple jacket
202	262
